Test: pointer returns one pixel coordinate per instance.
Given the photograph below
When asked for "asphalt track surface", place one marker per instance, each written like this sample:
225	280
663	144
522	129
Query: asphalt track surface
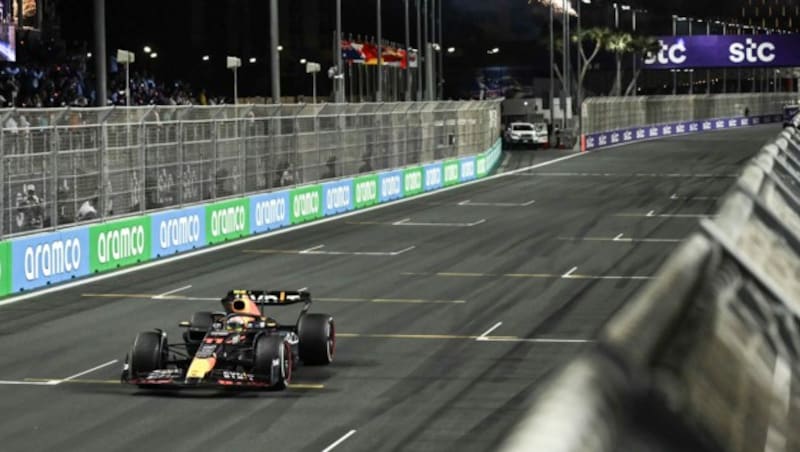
440	345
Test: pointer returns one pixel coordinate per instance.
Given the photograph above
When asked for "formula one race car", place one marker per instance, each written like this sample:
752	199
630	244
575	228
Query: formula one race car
240	347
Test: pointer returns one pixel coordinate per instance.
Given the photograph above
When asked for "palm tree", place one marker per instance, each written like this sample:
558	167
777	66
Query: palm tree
619	44
640	46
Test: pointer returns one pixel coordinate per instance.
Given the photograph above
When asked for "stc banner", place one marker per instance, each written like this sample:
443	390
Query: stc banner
48	259
732	51
178	231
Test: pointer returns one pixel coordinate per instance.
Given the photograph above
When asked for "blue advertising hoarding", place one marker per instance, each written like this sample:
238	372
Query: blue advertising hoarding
720	51
433	176
390	186
49	258
178	230
269	211
467	169
337	197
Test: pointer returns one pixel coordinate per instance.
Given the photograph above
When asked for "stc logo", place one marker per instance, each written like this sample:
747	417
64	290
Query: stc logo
675	54
752	52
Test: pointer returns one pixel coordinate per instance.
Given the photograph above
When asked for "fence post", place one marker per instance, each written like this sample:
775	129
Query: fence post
102	148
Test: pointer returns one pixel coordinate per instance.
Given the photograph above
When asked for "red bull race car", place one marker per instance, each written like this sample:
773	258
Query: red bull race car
240	347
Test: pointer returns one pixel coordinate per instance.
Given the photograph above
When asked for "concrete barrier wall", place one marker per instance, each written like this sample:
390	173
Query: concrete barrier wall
706	357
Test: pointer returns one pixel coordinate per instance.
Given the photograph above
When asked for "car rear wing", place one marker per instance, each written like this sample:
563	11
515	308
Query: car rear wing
274	297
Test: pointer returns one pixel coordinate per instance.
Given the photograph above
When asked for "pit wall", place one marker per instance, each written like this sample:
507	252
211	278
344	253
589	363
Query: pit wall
41	260
599	140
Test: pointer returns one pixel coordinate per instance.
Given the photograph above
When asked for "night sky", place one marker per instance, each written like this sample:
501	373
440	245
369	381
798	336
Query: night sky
239	27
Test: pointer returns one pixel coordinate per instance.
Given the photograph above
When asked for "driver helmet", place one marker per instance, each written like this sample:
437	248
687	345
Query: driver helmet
237	324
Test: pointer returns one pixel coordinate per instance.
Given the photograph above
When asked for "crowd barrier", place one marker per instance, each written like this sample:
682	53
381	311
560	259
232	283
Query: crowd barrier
72	166
705	357
602	114
39	260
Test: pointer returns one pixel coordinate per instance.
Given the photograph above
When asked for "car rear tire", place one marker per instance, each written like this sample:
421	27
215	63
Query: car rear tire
266	350
149	353
317	338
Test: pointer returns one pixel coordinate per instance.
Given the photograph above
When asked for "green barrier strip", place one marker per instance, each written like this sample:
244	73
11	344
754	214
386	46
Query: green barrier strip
127	242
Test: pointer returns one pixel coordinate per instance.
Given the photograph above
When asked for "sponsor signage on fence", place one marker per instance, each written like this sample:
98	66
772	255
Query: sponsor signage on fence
365	190
467	169
390	186
5	268
49	258
480	166
451	173
227	220
119	243
412	181
269	212
616	137
337	197
434	176
305	203
178	230
679	52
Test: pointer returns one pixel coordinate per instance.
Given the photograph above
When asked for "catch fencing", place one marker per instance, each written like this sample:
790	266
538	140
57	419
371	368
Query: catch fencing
602	114
707	356
62	167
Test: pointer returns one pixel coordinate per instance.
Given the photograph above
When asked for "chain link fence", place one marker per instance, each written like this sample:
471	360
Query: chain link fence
601	114
62	167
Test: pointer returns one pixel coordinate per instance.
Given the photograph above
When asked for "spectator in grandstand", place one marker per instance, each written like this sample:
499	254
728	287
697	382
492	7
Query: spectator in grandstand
87	211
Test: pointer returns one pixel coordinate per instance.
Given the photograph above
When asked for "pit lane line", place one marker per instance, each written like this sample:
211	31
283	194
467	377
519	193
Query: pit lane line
211	249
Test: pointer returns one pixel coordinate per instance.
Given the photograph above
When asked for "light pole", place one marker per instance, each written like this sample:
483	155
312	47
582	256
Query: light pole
312	68
338	83
273	51
408	53
234	63
580	68
441	55
379	91
420	51
552	72
126	57
99	50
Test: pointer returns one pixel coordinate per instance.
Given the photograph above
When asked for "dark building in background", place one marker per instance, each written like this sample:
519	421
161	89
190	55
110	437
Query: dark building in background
773	14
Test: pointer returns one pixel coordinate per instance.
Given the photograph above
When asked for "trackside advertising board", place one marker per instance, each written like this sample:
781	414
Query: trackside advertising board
338	197
49	258
119	243
467	170
600	140
434	176
40	260
390	185
227	220
5	268
269	211
365	189
412	181
305	203
177	231
451	173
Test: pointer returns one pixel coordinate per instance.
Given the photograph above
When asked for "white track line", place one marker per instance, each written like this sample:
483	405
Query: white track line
29	383
570	272
536	340
88	371
496	204
408	222
483	337
339	441
618	237
312	249
222	246
170	292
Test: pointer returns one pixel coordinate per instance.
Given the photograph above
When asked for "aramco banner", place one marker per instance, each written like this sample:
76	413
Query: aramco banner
732	51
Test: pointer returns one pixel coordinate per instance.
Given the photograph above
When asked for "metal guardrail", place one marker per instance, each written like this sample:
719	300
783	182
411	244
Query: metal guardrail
61	167
707	356
602	114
